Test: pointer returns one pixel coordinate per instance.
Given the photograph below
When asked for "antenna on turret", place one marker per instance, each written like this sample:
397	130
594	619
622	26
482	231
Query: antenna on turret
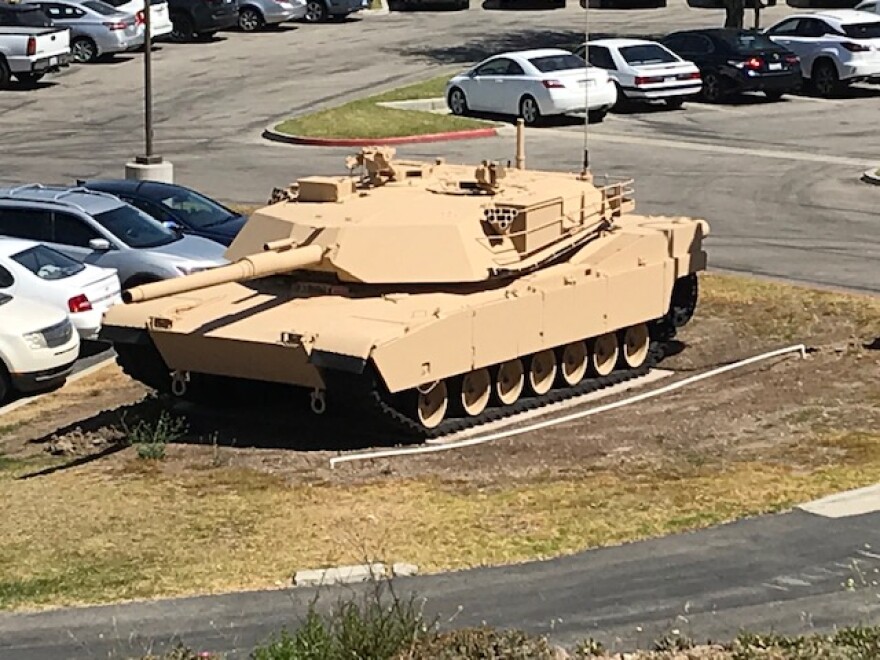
586	171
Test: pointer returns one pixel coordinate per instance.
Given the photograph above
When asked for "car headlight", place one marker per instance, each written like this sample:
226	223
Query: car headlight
35	340
189	270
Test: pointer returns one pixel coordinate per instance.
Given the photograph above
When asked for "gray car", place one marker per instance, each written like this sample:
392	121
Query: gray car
100	229
96	28
255	14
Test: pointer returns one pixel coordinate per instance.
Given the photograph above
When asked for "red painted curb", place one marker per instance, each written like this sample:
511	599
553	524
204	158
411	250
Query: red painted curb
469	134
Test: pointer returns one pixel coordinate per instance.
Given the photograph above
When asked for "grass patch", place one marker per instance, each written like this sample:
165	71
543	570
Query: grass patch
365	119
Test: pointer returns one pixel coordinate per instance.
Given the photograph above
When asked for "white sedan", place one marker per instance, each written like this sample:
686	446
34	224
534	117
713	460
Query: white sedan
532	84
37	272
160	18
37	346
645	70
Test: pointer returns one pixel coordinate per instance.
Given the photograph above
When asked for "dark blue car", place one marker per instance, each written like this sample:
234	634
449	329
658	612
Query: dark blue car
192	212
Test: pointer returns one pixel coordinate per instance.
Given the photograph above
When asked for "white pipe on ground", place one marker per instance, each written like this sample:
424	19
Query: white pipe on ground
479	440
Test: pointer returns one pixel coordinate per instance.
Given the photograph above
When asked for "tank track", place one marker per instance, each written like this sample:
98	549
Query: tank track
376	408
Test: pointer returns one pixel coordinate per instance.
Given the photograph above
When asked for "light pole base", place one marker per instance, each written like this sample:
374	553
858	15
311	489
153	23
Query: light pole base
157	170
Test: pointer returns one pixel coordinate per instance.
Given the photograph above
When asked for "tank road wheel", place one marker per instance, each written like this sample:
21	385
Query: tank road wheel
636	343
603	357
509	382
542	372
476	390
574	363
432	404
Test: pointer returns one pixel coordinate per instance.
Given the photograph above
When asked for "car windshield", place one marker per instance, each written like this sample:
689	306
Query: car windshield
100	7
747	42
862	30
48	264
198	211
135	228
647	54
558	62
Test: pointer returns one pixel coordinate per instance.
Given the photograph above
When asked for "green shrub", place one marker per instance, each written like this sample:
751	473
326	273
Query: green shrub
480	644
150	439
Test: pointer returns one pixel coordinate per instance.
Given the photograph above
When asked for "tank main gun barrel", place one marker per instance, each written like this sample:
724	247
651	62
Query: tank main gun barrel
262	264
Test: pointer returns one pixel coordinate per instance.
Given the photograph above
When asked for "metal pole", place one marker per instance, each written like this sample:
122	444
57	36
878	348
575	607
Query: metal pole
148	80
586	164
520	144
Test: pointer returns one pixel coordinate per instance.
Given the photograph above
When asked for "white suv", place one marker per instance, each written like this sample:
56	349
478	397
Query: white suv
836	48
38	346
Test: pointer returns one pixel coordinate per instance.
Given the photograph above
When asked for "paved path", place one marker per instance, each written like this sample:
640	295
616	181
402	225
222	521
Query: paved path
795	572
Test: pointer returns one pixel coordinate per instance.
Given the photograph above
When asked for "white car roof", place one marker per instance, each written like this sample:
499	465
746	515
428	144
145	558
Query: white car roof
621	43
528	54
10	246
843	16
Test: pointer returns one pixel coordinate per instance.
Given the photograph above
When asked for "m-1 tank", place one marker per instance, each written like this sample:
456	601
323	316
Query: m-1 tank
432	295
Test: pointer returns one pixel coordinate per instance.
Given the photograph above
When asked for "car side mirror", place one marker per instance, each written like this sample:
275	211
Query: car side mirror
173	226
99	244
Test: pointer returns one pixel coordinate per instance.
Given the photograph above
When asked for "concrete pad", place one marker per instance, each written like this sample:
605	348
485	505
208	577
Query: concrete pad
850	503
404	570
162	171
338	575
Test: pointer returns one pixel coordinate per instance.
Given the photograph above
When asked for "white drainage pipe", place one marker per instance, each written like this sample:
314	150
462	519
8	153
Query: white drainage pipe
470	442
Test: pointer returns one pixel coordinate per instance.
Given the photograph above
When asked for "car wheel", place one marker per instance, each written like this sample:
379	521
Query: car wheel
623	102
182	28
825	80
457	102
713	87
83	49
529	111
773	96
4	73
140	280
464	4
596	116
674	102
250	20
316	12
5	385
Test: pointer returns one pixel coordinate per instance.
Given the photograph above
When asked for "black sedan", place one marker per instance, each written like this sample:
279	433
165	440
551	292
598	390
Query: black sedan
733	61
173	205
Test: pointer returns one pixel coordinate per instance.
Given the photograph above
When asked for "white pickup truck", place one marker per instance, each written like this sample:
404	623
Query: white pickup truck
30	45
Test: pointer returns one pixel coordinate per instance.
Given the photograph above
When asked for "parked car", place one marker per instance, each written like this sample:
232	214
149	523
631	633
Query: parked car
318	11
37	346
256	14
201	19
96	28
30	45
836	48
732	61
100	229
870	6
174	205
37	272
532	84
160	18
644	70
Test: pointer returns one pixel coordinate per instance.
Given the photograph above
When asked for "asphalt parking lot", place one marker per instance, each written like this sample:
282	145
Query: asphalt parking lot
778	181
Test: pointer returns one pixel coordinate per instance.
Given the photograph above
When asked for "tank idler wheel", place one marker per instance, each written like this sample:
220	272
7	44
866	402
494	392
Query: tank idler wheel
603	355
432	404
636	343
509	382
573	363
476	390
542	372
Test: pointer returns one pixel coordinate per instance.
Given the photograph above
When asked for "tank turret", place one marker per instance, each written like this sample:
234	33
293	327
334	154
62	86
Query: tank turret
432	295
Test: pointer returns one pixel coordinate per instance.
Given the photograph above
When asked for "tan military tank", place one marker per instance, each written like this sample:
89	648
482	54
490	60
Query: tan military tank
433	295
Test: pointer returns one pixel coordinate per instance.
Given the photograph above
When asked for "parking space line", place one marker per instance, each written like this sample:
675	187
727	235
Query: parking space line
717	148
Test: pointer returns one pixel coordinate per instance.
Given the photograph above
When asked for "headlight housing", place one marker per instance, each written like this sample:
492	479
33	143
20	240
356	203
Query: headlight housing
35	340
189	270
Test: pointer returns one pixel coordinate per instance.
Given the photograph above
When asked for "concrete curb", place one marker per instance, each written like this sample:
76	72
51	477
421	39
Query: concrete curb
470	134
351	574
871	176
70	379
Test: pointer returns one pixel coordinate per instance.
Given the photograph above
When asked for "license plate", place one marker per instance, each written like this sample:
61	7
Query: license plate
775	66
53	61
670	79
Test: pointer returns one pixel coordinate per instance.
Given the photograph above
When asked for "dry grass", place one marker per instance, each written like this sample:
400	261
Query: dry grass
120	528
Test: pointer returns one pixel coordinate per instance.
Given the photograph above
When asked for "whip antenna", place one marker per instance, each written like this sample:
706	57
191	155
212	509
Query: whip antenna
586	171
